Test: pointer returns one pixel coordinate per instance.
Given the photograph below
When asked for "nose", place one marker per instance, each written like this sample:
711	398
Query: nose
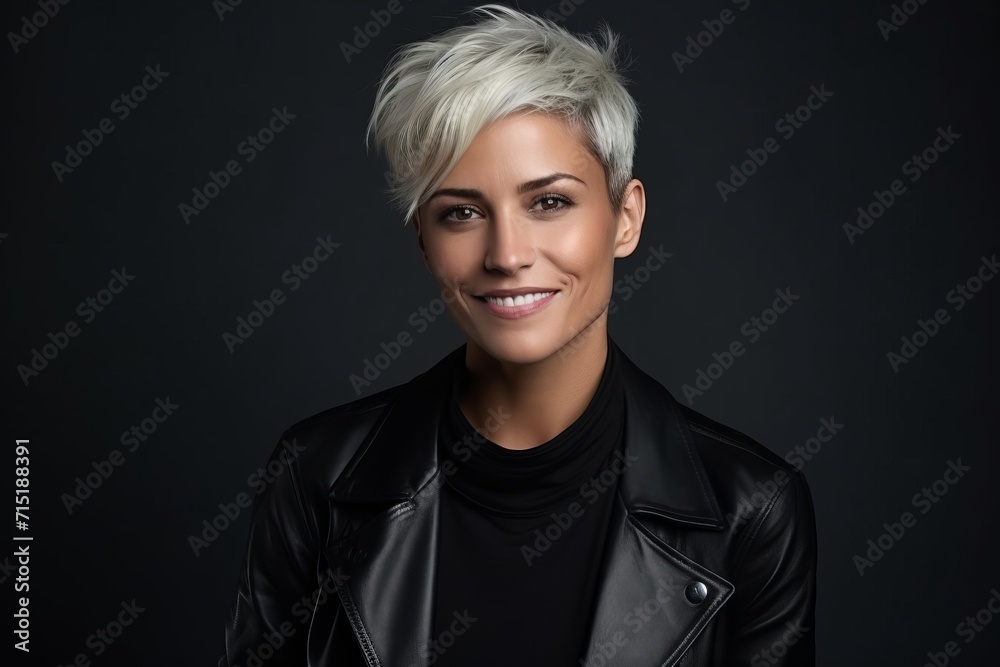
509	243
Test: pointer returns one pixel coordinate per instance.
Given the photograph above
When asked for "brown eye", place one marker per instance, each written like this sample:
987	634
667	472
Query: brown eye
552	202
459	214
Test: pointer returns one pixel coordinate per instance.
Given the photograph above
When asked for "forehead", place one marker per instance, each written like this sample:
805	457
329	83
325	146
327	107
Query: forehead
525	145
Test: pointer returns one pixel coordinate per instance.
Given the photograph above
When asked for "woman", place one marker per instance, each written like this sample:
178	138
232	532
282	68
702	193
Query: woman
534	498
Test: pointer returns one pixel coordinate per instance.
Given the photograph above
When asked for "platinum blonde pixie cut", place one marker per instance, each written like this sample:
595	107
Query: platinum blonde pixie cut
436	95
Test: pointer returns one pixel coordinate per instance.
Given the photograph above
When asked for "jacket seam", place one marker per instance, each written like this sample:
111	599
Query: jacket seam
744	546
299	499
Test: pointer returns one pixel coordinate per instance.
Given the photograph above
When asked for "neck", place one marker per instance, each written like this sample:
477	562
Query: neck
525	405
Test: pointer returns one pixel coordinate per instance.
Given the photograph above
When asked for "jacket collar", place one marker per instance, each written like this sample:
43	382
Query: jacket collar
671	483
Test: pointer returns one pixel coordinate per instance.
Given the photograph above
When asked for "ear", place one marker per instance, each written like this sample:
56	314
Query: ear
630	218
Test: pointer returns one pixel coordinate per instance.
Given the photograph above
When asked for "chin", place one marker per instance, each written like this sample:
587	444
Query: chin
519	347
526	347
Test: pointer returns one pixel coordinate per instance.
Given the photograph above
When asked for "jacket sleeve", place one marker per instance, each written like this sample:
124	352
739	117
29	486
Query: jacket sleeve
774	619
270	611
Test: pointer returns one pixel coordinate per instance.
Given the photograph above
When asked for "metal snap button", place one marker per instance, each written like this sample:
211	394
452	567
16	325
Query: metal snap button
696	592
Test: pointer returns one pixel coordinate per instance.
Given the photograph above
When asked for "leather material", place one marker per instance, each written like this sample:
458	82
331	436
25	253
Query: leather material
711	552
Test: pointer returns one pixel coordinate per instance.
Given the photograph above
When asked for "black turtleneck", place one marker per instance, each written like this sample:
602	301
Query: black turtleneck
522	534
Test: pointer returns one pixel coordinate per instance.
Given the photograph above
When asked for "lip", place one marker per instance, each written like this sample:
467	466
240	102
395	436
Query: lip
516	292
517	312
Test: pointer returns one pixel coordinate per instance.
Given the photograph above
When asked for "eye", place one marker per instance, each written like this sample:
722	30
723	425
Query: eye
462	210
550	202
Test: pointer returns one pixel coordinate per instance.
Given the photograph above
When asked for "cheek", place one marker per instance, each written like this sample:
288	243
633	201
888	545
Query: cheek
586	250
450	259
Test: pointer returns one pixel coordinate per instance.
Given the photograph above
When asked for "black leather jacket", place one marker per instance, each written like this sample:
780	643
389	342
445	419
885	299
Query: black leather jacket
712	556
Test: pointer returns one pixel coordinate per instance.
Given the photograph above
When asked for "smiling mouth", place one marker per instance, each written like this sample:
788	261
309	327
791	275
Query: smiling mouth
520	306
519	300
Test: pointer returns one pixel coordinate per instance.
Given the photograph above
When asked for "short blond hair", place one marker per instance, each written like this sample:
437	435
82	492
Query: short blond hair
436	95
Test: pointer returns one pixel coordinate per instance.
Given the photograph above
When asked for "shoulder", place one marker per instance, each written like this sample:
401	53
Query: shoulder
770	537
723	444
755	487
359	411
324	442
315	450
748	480
310	455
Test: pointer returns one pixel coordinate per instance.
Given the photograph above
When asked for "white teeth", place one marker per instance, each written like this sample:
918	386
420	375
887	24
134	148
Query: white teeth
519	300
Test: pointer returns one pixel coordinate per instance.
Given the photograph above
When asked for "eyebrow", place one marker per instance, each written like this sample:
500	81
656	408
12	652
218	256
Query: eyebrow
527	186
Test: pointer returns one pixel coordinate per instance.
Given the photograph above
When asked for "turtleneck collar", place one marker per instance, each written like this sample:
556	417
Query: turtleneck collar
541	479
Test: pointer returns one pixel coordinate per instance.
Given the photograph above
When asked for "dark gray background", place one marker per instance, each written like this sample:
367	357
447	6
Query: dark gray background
162	336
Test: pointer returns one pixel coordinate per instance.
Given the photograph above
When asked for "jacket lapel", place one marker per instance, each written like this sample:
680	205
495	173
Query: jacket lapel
654	601
388	498
387	502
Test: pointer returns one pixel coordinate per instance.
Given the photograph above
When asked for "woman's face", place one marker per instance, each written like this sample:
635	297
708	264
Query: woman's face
526	209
